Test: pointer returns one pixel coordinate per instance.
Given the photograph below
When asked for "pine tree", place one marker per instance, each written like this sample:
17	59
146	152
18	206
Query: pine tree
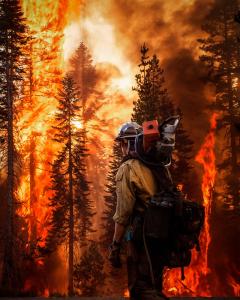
84	74
88	273
71	208
222	56
12	40
110	199
154	103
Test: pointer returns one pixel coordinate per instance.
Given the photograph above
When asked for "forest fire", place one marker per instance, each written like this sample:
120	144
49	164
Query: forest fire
42	82
206	157
197	283
96	46
45	69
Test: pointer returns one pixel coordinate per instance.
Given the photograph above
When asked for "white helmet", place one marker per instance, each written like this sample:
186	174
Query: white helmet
129	130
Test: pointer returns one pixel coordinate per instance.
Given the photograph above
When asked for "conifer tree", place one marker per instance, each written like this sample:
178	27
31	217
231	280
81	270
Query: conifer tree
84	74
154	103
110	199
89	274
222	56
12	40
71	208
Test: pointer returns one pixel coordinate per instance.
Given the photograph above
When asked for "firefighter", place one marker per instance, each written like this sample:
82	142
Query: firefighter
135	185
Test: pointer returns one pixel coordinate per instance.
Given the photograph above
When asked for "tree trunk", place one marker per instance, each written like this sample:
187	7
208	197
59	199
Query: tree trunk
230	109
33	227
32	166
8	255
71	216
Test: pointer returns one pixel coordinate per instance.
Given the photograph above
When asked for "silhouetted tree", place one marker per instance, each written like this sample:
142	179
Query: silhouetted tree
154	103
84	74
221	54
110	199
12	40
71	208
89	273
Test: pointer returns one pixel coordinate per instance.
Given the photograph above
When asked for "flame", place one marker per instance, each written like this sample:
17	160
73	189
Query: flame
234	285
46	24
42	82
78	124
126	294
57	27
46	292
196	282
206	157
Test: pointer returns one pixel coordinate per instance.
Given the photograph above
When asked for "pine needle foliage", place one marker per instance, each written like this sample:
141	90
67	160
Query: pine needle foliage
70	204
154	102
220	53
110	198
13	38
89	273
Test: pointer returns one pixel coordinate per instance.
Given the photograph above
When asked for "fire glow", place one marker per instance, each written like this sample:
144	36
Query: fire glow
196	283
36	120
55	25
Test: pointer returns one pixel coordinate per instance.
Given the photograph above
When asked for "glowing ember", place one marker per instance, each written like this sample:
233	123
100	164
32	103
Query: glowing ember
126	293
46	293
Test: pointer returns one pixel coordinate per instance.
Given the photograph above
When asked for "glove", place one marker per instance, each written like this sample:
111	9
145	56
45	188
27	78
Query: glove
114	254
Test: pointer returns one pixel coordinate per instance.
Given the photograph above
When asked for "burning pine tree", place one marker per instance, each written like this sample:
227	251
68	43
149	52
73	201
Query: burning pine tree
221	55
71	207
221	45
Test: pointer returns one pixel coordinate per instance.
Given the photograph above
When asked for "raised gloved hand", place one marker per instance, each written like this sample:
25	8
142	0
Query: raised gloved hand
114	254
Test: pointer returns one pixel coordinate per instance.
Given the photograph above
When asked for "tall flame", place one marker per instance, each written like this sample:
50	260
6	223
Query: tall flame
43	77
206	157
196	282
36	120
55	25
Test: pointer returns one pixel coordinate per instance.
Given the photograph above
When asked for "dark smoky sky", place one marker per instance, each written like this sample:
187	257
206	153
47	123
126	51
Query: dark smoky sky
170	29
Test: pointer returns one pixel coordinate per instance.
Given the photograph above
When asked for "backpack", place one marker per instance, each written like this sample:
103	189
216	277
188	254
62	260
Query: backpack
169	216
174	220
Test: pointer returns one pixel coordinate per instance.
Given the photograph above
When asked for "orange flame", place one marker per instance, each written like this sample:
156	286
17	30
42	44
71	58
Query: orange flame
43	79
206	157
126	294
196	282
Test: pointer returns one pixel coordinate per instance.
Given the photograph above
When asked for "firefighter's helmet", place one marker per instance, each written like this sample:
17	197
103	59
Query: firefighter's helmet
129	130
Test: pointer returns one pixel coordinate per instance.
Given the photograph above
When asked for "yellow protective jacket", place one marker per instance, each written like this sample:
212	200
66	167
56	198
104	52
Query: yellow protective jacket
135	185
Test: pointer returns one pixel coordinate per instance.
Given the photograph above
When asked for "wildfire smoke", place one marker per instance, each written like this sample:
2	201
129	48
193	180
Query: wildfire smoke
114	32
